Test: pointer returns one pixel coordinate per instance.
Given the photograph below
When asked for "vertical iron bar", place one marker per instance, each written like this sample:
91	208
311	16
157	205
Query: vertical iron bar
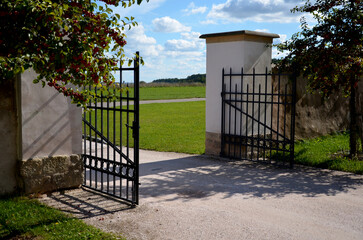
253	113
229	113
235	123
95	140
90	145
247	138
278	116
241	116
108	145
272	109
84	114
259	121
121	126
102	150
284	141
136	127
265	120
114	141
127	121
223	116
127	138
293	109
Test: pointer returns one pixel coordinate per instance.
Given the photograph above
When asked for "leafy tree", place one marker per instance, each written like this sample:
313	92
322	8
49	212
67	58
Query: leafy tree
330	53
67	42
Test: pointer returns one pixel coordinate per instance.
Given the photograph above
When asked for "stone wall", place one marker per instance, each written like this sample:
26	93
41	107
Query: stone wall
41	138
316	116
51	173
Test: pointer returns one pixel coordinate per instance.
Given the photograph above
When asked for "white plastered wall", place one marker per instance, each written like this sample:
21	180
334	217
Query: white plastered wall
50	124
230	55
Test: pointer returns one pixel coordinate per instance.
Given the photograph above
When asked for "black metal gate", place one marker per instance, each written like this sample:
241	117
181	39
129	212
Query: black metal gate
258	116
111	141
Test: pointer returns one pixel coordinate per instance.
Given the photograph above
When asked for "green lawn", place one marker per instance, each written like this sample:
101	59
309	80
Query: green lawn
327	152
23	218
154	93
173	127
169	127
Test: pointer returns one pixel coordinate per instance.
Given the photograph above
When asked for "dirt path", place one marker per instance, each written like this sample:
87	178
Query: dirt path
196	197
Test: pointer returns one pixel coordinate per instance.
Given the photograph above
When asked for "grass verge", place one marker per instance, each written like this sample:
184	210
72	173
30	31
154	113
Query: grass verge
24	218
327	152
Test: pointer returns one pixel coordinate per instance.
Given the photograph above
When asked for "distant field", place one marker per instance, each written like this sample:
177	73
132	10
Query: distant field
154	93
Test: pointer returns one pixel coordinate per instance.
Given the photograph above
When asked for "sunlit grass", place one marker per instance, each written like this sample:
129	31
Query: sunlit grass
169	127
327	152
24	218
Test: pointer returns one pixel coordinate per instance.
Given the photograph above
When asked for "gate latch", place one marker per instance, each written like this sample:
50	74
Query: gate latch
133	127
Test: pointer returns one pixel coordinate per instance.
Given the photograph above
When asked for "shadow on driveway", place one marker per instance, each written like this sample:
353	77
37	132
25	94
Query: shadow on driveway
200	176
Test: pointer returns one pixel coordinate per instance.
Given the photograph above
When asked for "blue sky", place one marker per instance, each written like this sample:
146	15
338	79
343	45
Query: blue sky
168	32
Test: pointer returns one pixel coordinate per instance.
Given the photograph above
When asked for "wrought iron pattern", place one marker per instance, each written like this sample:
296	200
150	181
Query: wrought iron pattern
258	116
111	141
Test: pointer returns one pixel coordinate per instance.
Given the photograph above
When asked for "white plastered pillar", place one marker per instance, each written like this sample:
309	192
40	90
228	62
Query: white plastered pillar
230	50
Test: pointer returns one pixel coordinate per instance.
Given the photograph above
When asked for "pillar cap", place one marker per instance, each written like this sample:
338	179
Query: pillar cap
243	35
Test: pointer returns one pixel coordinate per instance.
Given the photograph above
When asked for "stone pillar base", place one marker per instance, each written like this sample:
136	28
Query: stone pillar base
212	143
233	149
40	175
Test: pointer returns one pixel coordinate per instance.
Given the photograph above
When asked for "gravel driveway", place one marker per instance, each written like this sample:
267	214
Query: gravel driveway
197	197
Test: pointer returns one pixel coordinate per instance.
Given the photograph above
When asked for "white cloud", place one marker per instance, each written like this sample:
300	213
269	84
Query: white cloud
192	9
178	57
191	36
182	45
255	10
168	24
179	54
275	52
138	40
189	42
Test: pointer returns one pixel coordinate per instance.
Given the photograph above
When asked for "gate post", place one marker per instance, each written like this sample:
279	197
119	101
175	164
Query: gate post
233	51
50	139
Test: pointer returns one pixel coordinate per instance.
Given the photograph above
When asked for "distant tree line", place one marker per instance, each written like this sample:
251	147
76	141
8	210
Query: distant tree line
195	78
